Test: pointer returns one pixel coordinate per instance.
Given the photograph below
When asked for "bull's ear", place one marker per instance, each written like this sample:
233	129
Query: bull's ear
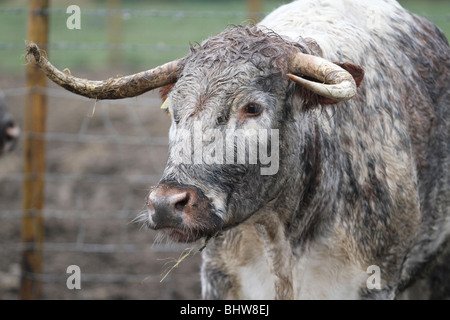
164	91
357	73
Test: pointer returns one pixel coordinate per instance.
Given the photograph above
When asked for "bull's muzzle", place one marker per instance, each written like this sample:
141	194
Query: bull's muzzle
182	211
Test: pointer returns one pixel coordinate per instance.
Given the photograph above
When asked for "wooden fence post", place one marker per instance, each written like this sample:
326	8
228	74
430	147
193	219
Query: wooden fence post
34	159
254	9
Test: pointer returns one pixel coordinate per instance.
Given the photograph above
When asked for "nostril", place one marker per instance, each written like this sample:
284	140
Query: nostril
179	205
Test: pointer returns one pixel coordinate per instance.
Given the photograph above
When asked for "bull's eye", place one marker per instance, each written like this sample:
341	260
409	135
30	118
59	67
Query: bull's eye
252	110
221	120
176	118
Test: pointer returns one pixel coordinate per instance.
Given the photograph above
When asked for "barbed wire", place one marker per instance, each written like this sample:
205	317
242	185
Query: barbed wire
97	178
128	13
59	93
81	136
98	278
98	247
133	13
160	47
125	14
78	212
103	278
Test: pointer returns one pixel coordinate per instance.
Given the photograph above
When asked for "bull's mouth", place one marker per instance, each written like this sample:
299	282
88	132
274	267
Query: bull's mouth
182	235
186	233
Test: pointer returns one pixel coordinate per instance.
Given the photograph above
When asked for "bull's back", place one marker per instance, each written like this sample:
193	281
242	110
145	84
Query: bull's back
428	107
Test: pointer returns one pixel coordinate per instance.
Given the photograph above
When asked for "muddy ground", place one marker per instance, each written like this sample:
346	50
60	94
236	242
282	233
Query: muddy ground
99	170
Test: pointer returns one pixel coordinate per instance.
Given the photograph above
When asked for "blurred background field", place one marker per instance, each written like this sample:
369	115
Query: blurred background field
149	32
102	157
143	33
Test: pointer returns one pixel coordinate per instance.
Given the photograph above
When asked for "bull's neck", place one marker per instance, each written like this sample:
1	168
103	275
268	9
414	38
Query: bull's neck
309	195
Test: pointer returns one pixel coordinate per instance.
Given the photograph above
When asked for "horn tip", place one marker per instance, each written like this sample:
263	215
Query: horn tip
32	51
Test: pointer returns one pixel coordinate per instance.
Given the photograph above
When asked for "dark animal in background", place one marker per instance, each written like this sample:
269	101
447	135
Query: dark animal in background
363	178
9	131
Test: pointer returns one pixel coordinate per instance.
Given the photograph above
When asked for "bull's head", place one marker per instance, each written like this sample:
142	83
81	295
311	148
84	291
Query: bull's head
245	79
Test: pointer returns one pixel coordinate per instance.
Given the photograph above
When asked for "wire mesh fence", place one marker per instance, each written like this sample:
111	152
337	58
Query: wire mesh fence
100	164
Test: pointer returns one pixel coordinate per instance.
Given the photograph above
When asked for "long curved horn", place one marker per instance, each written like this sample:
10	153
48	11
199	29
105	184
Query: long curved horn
113	88
335	82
